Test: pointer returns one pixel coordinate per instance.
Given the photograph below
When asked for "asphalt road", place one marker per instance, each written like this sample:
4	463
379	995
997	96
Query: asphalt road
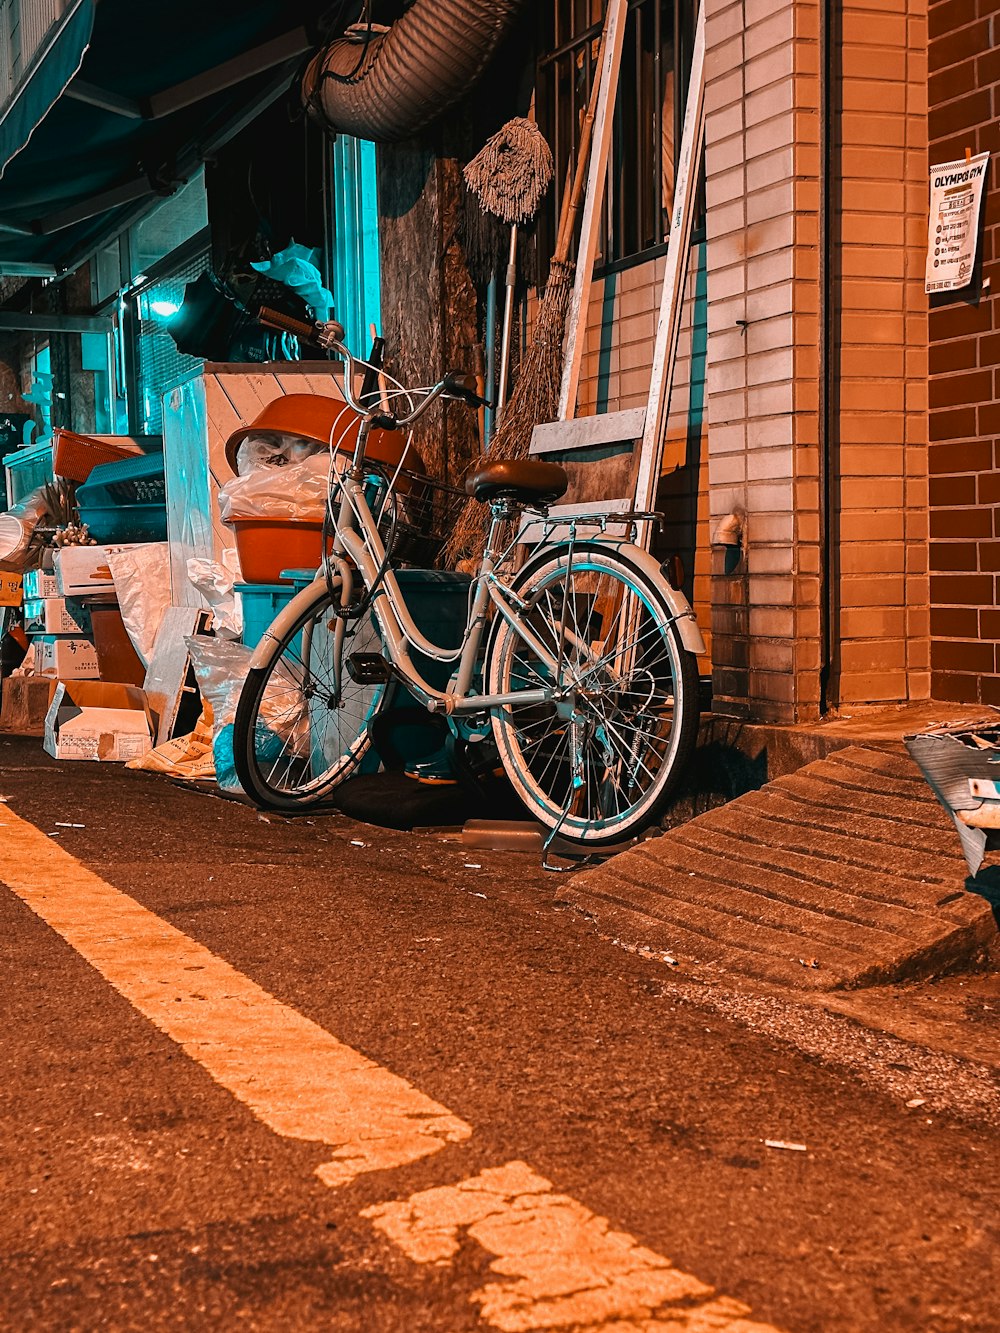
168	1171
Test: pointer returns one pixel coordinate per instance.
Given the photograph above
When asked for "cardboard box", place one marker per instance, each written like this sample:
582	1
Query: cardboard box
11	589
55	615
24	703
84	570
40	583
66	658
98	721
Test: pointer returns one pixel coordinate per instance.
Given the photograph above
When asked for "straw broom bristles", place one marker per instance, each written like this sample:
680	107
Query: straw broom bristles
535	398
536	392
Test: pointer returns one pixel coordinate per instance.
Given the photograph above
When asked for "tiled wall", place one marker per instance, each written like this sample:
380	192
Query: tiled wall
964	86
755	366
762	335
621	328
763	286
882	482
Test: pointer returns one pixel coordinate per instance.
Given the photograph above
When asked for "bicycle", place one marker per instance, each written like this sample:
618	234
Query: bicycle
577	654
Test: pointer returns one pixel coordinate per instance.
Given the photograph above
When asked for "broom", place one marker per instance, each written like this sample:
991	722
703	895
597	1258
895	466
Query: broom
508	178
536	393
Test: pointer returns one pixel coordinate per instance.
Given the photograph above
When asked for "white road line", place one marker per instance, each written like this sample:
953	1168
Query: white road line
569	1269
292	1074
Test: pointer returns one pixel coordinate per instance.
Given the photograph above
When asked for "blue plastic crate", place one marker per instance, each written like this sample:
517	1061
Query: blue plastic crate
261	603
126	501
130	481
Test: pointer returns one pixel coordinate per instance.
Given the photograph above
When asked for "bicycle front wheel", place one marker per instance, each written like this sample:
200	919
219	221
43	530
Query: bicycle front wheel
301	724
601	760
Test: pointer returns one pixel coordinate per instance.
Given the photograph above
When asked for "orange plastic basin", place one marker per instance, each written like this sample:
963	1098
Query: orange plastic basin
266	546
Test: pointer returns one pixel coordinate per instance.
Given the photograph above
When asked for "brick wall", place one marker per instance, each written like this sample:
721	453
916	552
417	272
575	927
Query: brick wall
964	93
881	486
762	337
762	165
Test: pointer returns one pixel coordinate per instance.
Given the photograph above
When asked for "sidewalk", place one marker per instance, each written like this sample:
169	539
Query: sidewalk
841	873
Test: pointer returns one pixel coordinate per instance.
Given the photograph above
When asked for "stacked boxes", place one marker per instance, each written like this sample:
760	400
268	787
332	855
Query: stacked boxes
83	574
59	629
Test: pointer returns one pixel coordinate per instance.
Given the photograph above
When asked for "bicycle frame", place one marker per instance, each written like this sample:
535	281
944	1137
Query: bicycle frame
358	540
361	542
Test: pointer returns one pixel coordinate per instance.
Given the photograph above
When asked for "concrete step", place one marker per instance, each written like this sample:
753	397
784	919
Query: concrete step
846	873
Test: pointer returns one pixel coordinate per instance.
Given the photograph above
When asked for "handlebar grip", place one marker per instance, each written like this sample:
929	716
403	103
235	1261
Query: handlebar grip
464	387
277	319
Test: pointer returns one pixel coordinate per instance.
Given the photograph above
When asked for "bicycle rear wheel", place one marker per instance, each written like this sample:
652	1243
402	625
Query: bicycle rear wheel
602	761
301	724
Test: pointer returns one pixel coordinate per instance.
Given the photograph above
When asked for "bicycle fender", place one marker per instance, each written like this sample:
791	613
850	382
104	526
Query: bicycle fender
681	612
680	608
284	620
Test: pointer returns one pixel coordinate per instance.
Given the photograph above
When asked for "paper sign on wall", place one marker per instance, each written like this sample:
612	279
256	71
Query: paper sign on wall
953	225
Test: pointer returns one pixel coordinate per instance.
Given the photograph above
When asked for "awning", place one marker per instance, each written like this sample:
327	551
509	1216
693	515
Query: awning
57	63
125	102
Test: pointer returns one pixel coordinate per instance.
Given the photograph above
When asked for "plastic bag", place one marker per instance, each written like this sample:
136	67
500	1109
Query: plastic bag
296	267
141	576
220	668
215	583
16	528
273	451
298	490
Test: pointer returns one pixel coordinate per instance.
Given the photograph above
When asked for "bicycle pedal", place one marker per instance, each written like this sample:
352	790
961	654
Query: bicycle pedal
368	668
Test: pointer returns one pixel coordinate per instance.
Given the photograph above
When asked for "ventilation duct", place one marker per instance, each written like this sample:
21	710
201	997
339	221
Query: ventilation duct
399	81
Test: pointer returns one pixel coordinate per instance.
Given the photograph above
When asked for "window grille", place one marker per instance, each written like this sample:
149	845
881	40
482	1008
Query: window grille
656	61
159	362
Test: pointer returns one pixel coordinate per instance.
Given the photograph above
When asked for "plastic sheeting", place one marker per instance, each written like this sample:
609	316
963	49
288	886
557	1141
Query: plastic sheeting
258	451
141	576
216	584
16	528
297	268
191	523
220	667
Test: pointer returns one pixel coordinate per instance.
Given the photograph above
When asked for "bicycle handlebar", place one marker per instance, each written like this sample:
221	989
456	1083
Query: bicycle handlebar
329	335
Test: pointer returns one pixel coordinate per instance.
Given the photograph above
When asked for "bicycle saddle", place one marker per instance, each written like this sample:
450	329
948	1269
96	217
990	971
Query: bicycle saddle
527	480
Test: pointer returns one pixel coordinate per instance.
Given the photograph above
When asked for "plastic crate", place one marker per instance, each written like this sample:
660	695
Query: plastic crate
437	599
126	501
261	603
131	481
26	469
76	456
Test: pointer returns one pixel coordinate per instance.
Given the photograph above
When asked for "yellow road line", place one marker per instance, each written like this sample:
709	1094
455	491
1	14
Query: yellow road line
569	1269
291	1073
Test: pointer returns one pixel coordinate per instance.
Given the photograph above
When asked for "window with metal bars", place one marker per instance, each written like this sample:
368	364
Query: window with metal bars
656	60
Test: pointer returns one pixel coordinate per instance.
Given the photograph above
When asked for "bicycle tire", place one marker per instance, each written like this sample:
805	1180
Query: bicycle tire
633	720
295	736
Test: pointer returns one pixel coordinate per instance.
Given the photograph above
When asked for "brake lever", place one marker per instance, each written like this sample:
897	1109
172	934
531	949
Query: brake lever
463	388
